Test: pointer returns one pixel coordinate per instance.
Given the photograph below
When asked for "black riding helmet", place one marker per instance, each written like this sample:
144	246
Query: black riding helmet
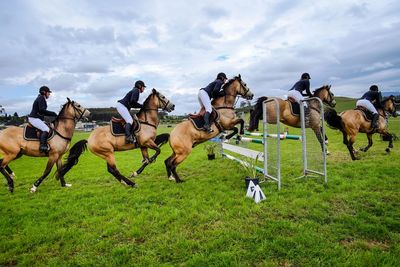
139	83
44	89
374	88
221	76
305	76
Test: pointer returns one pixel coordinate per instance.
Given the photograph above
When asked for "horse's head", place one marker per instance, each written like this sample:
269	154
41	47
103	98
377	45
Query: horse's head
256	114
236	86
73	110
324	93
389	105
157	100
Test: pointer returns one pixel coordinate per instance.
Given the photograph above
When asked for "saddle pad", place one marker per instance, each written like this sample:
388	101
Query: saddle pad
117	126
294	108
368	115
198	121
32	134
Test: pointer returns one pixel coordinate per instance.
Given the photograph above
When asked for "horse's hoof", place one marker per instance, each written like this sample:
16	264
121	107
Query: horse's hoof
133	174
134	185
33	189
328	153
171	178
387	150
67	185
11	189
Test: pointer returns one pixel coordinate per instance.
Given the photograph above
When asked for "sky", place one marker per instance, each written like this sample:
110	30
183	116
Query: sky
94	51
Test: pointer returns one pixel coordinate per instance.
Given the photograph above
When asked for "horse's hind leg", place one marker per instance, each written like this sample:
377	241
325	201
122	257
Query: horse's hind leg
10	181
112	168
49	166
235	131
6	171
61	177
389	136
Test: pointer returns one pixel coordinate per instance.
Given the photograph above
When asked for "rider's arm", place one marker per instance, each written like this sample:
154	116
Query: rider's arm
43	108
134	99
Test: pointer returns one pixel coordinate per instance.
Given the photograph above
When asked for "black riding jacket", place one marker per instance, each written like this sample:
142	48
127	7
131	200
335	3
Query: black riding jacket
301	86
39	108
214	89
374	97
131	99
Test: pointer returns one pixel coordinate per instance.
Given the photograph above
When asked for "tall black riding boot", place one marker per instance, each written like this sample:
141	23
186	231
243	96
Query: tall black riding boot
44	147
128	134
375	119
206	126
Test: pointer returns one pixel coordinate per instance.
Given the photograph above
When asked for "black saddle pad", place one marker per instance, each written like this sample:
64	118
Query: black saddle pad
32	134
294	108
118	127
368	115
198	121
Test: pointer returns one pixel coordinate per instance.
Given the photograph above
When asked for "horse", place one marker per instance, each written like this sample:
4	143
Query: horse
103	143
286	116
184	137
351	122
13	145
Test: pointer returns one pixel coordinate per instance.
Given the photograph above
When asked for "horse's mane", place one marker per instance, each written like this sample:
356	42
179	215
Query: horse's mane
229	82
319	89
62	110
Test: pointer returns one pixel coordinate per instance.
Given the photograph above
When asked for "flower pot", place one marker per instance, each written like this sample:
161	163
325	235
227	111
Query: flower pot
211	156
248	179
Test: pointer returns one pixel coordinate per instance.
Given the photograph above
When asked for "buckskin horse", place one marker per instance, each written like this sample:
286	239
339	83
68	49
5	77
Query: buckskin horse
13	144
288	118
351	122
103	143
184	137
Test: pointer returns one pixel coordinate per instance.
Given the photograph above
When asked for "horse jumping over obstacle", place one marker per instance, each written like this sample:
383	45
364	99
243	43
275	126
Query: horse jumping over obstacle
287	117
103	143
185	136
351	122
13	144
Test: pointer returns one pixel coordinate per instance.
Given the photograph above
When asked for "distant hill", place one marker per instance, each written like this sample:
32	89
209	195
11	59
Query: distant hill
344	103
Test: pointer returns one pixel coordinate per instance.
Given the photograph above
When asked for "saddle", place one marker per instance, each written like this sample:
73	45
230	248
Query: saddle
117	126
368	115
294	106
33	134
198	119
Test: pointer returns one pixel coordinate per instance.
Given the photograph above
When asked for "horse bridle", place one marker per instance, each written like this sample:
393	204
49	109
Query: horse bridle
165	103
246	90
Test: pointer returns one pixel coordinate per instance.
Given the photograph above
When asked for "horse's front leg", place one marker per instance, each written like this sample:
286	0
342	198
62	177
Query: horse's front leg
146	160
369	137
49	166
235	130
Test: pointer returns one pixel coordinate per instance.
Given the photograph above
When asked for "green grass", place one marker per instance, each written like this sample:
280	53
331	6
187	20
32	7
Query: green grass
207	220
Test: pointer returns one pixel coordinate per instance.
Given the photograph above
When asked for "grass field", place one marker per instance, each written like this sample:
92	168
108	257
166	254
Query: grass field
207	220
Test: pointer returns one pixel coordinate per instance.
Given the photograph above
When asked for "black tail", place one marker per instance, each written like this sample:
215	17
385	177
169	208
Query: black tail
73	157
161	139
334	121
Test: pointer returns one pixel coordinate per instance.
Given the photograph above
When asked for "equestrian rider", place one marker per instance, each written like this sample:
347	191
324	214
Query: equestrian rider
296	92
370	100
36	117
213	90
125	104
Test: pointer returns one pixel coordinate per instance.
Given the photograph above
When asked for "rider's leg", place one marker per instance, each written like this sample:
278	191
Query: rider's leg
124	112
205	102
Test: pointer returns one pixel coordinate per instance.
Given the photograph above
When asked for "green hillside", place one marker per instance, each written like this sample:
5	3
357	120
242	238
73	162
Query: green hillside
344	103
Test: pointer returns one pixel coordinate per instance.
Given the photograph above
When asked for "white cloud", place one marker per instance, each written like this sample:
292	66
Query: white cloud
93	53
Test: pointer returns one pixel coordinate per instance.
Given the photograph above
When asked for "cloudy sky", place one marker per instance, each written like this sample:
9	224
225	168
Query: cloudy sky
94	51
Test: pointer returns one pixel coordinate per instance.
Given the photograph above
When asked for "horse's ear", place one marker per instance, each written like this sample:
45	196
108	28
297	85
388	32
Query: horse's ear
69	100
240	77
154	91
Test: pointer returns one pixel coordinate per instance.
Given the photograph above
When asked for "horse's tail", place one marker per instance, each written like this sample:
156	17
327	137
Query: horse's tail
161	139
256	114
333	119
74	153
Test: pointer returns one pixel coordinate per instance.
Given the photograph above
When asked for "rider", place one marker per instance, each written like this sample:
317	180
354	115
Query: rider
296	92
125	104
370	100
36	117
213	90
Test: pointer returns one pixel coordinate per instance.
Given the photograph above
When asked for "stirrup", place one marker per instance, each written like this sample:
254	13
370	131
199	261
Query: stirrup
44	148
129	140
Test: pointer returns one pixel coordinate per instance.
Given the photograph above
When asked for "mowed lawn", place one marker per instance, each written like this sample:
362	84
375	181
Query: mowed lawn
207	220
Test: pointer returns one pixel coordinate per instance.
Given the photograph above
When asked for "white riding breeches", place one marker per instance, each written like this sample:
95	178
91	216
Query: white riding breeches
296	95
124	112
38	123
205	100
366	104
